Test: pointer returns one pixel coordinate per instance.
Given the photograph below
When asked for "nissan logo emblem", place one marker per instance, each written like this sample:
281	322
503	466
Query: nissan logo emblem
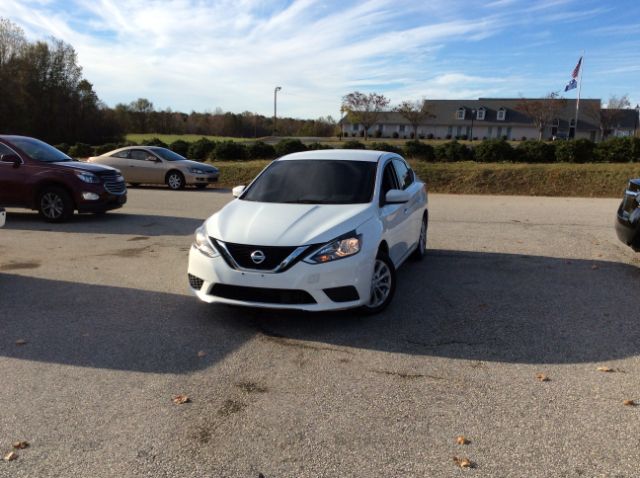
258	257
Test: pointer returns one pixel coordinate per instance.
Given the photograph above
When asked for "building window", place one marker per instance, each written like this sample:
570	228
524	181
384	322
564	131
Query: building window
481	114
489	131
354	127
458	131
460	113
502	114
450	130
402	128
508	132
572	123
499	135
556	122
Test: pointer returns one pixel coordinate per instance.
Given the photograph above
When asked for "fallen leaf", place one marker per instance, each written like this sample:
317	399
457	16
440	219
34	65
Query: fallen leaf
629	403
21	445
202	353
605	369
462	440
10	456
21	342
542	377
180	399
463	462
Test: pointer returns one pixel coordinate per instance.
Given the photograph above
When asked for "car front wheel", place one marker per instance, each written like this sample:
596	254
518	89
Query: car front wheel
383	284
55	205
421	248
175	180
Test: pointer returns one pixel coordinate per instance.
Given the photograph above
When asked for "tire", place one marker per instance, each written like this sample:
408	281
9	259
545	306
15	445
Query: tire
201	186
383	285
421	249
175	180
134	185
55	204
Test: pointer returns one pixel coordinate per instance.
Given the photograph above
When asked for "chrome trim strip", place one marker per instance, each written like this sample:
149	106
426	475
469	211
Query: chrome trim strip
283	265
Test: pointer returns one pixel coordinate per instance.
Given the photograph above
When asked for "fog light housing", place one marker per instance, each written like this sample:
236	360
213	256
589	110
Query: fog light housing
90	196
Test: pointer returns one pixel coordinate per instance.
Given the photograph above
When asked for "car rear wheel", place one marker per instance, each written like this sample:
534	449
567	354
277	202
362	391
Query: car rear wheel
421	248
383	284
175	180
55	204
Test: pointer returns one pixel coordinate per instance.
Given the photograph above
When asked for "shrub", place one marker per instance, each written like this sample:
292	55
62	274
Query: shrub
64	147
395	135
288	146
618	150
361	134
155	142
105	148
464	137
199	150
381	146
575	151
412	135
533	151
378	133
453	151
229	150
421	136
353	145
315	146
419	150
180	147
493	151
261	150
447	136
430	136
80	150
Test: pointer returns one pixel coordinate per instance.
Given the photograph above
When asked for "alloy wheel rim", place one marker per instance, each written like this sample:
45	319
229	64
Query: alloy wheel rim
52	205
380	284
174	181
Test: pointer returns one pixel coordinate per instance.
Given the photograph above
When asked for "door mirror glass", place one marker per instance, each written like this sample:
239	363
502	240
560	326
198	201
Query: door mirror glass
237	191
397	196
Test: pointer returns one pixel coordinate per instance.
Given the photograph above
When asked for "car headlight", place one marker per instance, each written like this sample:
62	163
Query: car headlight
203	244
338	249
196	171
88	177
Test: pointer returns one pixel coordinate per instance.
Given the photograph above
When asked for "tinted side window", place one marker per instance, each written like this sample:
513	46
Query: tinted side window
389	181
405	174
122	154
139	154
4	149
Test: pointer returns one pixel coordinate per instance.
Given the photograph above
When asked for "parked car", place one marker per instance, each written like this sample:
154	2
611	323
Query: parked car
35	175
628	217
318	230
3	217
156	165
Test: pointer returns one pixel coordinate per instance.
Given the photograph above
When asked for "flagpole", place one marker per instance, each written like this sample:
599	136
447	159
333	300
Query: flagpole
575	131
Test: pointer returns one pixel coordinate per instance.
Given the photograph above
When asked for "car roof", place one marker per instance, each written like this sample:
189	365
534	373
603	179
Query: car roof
338	154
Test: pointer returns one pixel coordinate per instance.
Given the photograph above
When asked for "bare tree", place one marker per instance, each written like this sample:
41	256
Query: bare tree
542	111
364	109
415	112
12	40
609	117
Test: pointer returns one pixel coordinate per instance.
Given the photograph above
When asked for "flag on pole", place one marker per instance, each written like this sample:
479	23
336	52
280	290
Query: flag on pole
574	74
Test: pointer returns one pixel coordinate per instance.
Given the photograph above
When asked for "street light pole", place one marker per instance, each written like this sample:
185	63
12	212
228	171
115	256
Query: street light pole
275	108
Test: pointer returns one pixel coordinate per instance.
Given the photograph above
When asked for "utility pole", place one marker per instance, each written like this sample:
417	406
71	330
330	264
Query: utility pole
275	108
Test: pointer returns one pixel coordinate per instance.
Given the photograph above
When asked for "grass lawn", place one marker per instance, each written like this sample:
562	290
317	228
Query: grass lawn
562	179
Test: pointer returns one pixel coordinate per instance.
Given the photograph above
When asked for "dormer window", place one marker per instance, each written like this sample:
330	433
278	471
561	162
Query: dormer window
556	122
572	123
502	114
481	113
460	113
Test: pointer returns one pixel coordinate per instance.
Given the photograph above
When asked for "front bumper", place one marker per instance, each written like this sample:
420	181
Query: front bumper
106	202
291	286
208	178
628	216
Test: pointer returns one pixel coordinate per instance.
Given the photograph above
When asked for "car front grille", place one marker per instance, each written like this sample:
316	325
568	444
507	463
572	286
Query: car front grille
273	256
195	282
111	182
262	295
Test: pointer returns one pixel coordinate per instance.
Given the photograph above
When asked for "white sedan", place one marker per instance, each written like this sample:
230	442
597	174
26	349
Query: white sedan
319	230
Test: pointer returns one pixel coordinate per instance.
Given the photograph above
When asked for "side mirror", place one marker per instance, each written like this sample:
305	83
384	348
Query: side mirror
397	196
237	191
11	158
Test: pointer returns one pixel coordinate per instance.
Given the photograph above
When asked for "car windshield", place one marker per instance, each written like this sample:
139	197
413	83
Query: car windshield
167	154
39	150
314	182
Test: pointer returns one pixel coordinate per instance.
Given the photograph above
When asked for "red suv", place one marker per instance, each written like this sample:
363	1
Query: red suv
37	176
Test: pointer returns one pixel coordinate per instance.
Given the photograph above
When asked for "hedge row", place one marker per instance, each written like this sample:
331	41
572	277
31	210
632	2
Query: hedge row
615	150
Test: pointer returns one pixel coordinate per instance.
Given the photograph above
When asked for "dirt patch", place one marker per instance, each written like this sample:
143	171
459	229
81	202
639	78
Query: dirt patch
14	266
405	375
230	407
138	238
251	387
131	252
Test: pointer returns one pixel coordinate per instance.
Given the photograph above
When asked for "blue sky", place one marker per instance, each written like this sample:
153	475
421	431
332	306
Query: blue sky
202	54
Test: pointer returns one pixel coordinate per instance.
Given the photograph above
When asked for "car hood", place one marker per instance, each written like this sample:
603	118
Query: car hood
82	166
277	224
187	163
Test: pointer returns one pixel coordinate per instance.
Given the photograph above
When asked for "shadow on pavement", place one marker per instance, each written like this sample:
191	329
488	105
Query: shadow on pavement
110	223
492	307
463	305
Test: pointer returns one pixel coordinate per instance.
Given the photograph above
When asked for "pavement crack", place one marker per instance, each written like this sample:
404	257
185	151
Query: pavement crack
405	375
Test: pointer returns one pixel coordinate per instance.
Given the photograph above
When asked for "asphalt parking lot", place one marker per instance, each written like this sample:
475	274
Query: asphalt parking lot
511	287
